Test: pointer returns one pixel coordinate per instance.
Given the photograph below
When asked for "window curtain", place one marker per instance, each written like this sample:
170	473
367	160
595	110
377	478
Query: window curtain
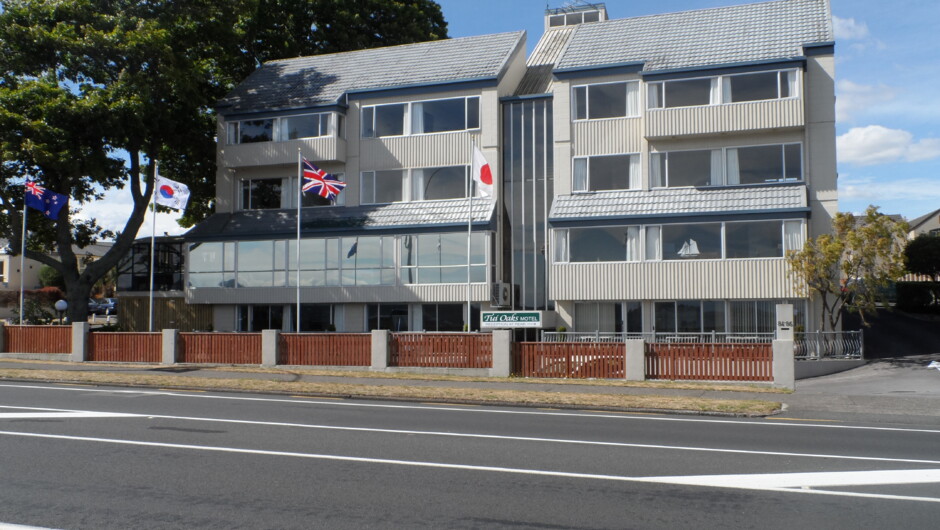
714	178
417	118
417	184
653	99
580	174
633	243
733	170
714	96
653	247
793	82
656	170
792	235
633	99
636	173
726	89
561	246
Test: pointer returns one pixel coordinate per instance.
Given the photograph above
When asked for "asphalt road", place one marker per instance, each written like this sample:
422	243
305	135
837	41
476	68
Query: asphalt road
86	457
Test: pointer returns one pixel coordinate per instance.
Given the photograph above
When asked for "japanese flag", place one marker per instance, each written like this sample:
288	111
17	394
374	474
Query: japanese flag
481	173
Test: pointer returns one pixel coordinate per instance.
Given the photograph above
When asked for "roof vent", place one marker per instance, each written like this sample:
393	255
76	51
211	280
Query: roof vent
575	12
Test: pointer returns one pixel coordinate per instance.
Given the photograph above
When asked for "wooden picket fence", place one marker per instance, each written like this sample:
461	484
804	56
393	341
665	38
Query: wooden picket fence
574	360
326	349
441	350
220	348
125	347
709	362
37	339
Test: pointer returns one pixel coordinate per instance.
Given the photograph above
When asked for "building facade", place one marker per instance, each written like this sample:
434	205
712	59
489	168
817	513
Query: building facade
650	178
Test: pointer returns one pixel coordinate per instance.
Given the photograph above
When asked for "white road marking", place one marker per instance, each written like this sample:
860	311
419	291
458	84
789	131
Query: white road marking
810	480
52	415
91	414
479	410
709	481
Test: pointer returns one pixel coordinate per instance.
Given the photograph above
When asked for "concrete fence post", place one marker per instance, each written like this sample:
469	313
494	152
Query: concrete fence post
79	342
270	339
783	365
168	344
502	353
634	366
380	348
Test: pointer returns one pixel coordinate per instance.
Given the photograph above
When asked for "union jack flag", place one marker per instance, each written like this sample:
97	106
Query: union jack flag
34	188
320	182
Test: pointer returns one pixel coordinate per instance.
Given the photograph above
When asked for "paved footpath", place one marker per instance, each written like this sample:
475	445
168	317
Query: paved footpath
884	390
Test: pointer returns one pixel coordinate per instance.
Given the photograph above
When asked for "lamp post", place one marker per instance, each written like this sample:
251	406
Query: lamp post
60	308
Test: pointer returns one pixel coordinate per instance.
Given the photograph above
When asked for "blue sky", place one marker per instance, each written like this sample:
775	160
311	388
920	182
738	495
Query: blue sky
887	89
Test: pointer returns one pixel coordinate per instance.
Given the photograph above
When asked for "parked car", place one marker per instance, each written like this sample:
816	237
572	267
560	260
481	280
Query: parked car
107	306
93	306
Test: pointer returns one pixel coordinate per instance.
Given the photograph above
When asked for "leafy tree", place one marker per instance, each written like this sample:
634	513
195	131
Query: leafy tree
93	92
49	277
922	256
851	267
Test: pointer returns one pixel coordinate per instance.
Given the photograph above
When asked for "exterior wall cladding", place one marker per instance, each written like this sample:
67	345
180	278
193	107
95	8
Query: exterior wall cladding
648	178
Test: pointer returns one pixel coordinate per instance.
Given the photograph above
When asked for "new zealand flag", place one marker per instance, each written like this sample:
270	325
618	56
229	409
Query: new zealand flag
46	201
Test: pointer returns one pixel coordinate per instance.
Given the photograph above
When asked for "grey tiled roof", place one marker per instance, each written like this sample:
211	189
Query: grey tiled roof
414	216
538	76
678	202
706	37
323	79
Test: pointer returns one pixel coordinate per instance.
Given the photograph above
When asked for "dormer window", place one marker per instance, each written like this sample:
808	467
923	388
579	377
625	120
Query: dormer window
571	16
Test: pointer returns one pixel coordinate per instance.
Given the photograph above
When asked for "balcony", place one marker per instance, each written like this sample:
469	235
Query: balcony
323	149
734	117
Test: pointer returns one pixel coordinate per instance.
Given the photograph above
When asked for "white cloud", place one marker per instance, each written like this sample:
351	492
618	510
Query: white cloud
875	144
881	189
849	29
853	97
112	213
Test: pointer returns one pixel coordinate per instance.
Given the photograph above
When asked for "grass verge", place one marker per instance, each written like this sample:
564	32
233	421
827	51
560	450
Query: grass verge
413	393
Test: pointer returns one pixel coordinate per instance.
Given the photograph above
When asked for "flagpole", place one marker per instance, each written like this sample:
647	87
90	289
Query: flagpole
153	236
469	226
23	259
297	249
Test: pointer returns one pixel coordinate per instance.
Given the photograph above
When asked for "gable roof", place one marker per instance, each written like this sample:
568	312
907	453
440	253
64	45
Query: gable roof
715	37
914	224
321	80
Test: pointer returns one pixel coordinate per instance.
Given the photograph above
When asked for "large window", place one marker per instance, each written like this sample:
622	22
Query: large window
606	100
689	316
728	240
379	187
611	172
421	117
418	184
393	317
442	258
685	168
133	271
261	194
212	265
285	128
442	317
731	166
736	88
764	163
586	245
439	183
759	86
692	241
254	318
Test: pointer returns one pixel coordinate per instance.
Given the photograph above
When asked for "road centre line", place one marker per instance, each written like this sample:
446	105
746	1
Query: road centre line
478	409
857	478
445	434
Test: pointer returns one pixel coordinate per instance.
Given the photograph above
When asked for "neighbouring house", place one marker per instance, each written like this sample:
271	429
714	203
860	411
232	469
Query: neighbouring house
926	224
12	274
648	177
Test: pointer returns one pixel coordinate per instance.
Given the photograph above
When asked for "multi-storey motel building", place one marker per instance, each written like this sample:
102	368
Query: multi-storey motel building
651	173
